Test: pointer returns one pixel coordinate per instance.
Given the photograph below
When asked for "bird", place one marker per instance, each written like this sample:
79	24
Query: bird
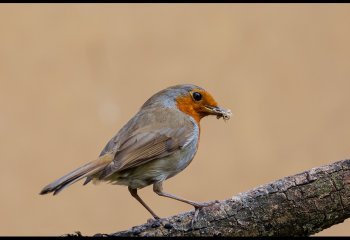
157	143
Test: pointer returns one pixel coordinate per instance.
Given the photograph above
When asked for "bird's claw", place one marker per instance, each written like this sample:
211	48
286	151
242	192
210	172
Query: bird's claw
198	207
154	221
194	219
206	204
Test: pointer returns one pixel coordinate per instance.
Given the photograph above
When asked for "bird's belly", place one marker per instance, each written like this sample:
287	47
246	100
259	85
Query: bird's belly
157	170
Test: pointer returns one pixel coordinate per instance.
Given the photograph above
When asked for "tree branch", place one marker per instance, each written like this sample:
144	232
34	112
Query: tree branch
298	205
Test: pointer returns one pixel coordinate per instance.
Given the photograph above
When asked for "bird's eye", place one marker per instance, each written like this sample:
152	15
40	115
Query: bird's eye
197	96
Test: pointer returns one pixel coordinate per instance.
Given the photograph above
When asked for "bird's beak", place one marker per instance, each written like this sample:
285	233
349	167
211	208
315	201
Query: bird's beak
219	112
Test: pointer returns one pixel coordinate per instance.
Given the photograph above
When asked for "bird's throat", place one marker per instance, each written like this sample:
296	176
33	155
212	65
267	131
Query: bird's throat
184	104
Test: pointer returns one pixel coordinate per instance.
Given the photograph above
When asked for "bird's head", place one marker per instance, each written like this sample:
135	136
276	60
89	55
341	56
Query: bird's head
190	99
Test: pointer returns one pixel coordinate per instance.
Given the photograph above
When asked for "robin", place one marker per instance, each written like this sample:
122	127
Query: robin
157	143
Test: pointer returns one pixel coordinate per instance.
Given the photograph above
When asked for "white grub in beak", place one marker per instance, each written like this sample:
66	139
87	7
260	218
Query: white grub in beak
220	112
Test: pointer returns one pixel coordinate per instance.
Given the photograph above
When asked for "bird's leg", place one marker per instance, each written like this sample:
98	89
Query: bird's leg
158	188
133	193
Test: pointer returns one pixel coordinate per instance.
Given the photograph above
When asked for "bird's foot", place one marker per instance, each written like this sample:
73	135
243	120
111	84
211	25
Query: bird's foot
154	222
198	207
204	204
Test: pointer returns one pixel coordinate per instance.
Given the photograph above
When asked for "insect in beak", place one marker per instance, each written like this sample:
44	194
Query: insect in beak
219	112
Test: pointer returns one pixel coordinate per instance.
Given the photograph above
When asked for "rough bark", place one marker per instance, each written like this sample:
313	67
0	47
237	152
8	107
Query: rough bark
299	205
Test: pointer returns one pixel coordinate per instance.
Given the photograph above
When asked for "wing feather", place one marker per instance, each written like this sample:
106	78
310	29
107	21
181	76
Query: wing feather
145	145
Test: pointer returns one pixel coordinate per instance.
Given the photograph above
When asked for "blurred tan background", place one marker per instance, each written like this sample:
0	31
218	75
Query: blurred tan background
72	74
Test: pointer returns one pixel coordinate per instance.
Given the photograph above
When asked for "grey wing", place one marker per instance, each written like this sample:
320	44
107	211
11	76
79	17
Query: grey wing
114	143
146	145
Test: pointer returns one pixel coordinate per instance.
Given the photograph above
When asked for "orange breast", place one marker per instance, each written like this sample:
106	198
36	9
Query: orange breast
185	105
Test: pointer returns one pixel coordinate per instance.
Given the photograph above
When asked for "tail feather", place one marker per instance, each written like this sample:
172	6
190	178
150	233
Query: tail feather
86	170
